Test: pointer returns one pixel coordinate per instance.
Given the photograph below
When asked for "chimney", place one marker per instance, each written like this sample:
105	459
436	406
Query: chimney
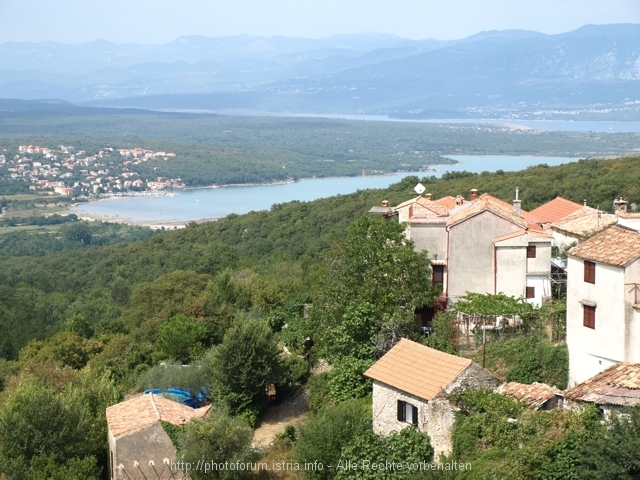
385	203
459	200
517	205
620	206
428	196
473	194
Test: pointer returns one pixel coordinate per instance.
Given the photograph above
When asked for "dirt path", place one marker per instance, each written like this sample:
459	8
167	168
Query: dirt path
292	411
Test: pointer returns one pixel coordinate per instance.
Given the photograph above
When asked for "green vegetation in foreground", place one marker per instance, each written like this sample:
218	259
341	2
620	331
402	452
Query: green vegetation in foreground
84	326
228	150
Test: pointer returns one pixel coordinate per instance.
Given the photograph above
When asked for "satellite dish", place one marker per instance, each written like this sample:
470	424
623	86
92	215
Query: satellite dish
419	189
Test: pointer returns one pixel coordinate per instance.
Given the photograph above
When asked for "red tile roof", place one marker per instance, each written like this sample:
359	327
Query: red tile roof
555	209
585	221
484	204
417	369
144	410
614	246
617	385
534	395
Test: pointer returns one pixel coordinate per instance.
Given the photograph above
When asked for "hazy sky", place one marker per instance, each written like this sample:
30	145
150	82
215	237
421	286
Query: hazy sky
155	21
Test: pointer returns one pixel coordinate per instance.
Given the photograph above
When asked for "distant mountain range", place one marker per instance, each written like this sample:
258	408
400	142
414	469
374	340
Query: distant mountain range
592	71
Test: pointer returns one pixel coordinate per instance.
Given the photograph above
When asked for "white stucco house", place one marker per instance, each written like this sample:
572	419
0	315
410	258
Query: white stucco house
411	383
603	302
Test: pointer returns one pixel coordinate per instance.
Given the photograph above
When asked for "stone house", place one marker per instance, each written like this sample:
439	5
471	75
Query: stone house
615	387
480	245
539	396
411	385
603	302
139	447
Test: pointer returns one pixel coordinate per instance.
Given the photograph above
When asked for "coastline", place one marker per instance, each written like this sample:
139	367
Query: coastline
171	224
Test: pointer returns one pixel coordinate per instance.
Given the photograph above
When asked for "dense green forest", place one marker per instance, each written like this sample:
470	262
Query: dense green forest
89	311
226	150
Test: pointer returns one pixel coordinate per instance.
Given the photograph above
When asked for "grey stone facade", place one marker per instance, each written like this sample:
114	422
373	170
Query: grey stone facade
435	417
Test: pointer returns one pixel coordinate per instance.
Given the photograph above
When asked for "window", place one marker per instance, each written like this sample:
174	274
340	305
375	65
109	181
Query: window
407	412
531	292
589	272
589	316
438	274
531	251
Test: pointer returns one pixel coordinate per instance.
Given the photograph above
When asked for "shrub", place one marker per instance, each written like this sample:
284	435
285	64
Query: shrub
328	431
346	380
318	394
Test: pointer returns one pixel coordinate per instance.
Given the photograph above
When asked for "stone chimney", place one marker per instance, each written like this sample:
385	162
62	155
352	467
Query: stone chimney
459	200
473	194
428	196
517	205
385	203
620	206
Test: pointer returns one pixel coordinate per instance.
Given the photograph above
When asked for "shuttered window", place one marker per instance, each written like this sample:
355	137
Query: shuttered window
531	292
438	274
401	411
589	272
531	251
589	316
407	412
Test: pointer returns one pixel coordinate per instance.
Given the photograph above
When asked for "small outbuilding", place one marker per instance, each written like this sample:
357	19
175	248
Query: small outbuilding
539	396
411	385
615	387
139	447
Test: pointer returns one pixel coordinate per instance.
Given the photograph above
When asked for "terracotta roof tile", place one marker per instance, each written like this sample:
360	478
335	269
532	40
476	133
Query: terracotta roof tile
555	210
528	216
417	369
433	208
617	385
614	246
585	221
480	205
144	410
448	201
540	235
534	395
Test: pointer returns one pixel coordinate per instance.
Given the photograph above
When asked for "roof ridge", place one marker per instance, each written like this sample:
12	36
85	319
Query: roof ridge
155	407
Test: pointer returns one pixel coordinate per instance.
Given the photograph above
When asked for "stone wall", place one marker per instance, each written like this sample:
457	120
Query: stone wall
473	377
436	416
149	443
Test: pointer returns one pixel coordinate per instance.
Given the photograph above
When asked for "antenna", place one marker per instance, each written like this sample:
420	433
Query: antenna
419	189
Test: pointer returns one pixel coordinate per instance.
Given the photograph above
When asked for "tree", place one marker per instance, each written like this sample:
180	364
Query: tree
328	431
613	454
77	232
216	438
408	446
45	433
374	281
243	365
374	263
178	336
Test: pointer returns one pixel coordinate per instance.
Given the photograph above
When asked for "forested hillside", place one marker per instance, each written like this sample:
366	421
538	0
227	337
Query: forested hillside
218	293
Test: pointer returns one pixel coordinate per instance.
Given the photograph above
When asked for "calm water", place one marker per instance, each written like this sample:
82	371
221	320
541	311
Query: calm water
219	202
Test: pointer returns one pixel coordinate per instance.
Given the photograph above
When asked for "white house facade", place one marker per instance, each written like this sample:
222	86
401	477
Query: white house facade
603	303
